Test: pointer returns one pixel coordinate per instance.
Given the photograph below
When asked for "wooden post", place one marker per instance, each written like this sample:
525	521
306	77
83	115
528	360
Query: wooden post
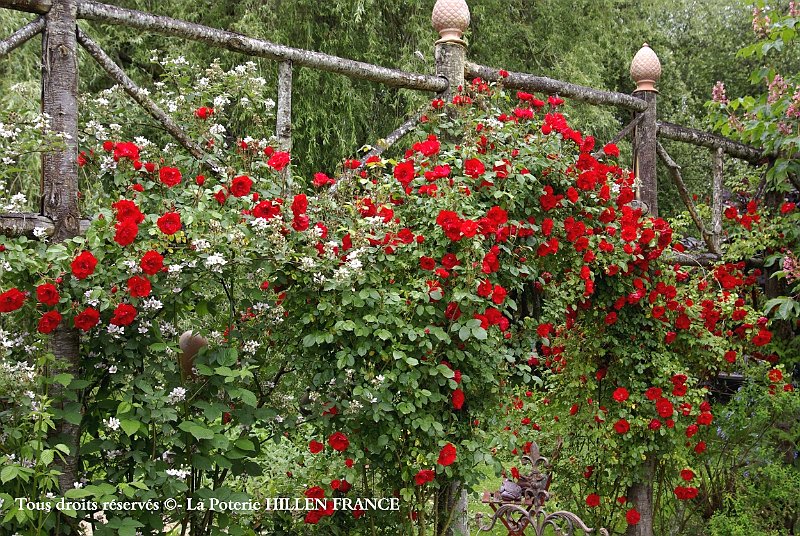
646	70
451	19
716	199
60	195
283	126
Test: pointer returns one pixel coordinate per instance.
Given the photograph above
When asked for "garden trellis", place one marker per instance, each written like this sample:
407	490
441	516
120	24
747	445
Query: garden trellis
57	22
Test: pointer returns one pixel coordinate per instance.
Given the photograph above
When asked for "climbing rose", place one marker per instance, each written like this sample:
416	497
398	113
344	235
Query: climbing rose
458	399
124	315
621	394
593	500
241	186
447	455
763	337
315	447
126	231
474	168
424	476
775	375
611	150
653	393
687	474
170	176
279	161
622	426
700	447
338	441
169	223
11	300
404	172
47	294
427	263
139	287
86	319
83	265
152	262
632	516
203	112
49	322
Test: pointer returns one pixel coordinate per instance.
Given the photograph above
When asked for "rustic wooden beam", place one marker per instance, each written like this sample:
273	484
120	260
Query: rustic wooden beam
529	82
21	36
396	135
141	97
283	120
251	46
705	259
60	203
30	6
24	223
716	198
712	141
675	173
620	135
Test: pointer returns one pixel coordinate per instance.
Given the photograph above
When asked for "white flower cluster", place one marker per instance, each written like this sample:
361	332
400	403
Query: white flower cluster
152	304
16	203
112	423
250	347
215	262
178	394
179	473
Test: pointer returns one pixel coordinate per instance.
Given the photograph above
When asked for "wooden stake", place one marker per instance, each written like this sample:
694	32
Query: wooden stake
645	154
21	36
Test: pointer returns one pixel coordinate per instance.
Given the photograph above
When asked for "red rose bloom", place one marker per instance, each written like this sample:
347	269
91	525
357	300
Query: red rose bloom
687	474
47	294
169	223
474	168
124	315
775	375
453	311
126	231
622	426
700	447
278	161
447	455
315	447
170	176
241	186
621	394
427	263
424	476
653	393
86	319
593	500
338	441
299	204
127	210
458	399
49	322
152	262
139	287
83	265
655	424
315	492
405	172
632	516
763	337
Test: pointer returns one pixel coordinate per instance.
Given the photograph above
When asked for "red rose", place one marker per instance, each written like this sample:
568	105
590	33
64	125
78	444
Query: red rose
241	186
691	430
47	294
299	204
632	516
775	375
87	319
730	356
170	176
404	172
125	149
83	265
474	168
447	455
152	262
687	474
620	394
664	407
169	223
315	447
611	318
653	393
300	223
427	263
705	418
498	294
763	337
124	315
278	161
139	287
315	492
655	424
622	426
126	231
788	207
424	476
221	196
127	210
593	500
450	261
453	311
338	441
266	210
458	399
49	321
204	112
700	447
321	179
611	149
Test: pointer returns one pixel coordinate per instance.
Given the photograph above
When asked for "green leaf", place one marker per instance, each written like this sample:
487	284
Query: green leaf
198	431
8	473
129	426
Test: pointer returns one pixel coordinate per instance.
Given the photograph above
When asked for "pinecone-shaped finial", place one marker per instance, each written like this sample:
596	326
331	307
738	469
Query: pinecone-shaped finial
451	19
645	69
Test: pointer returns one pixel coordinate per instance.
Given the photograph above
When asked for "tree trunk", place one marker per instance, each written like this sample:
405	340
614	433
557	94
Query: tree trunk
452	511
640	496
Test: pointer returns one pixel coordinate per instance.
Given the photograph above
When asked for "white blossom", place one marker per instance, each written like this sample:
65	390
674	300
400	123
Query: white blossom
178	394
112	422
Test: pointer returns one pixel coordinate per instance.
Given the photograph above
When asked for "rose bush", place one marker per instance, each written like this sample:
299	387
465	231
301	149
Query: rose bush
379	318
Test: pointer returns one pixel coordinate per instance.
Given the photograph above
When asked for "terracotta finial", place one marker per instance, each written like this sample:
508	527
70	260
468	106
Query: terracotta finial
645	69
451	19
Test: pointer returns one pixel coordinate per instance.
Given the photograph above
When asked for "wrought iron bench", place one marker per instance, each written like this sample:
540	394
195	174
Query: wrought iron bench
520	505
